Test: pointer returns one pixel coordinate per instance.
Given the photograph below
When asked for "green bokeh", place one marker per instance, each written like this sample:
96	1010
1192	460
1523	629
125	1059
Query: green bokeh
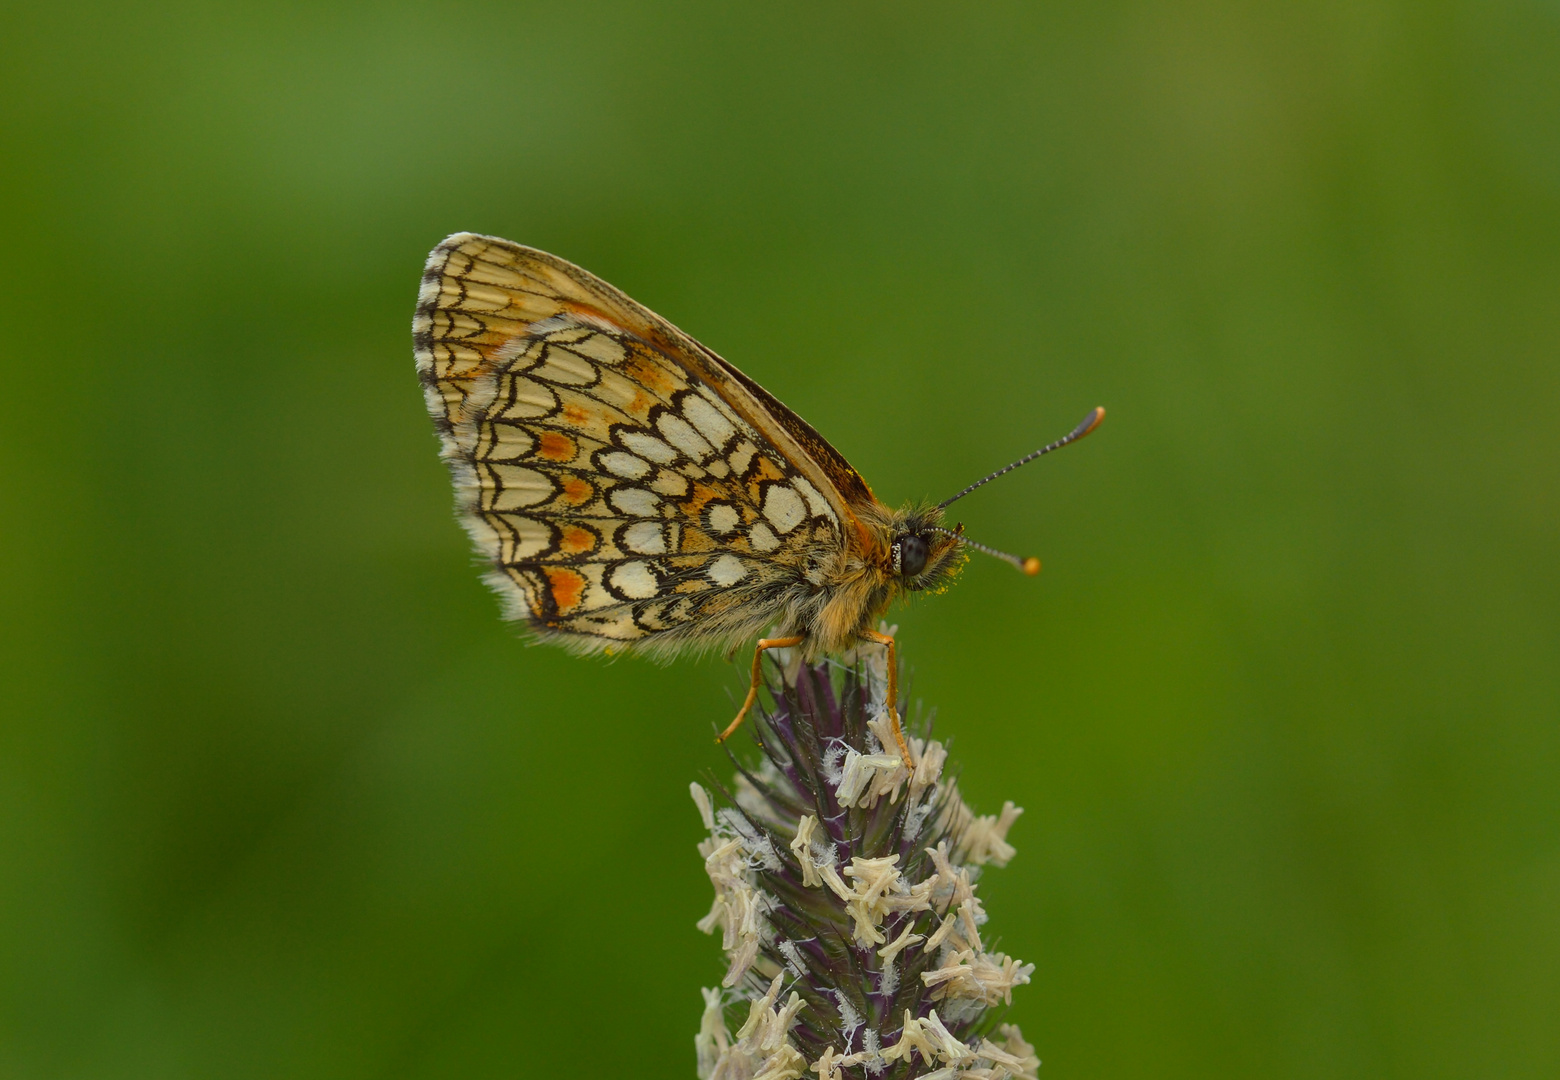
280	796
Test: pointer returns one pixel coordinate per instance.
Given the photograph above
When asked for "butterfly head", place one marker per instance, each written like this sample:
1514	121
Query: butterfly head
921	554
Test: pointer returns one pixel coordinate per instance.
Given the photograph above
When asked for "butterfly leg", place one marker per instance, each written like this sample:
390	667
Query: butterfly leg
758	679
893	693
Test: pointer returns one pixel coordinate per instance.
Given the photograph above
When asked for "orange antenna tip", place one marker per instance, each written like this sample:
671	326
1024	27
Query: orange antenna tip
1030	566
1092	422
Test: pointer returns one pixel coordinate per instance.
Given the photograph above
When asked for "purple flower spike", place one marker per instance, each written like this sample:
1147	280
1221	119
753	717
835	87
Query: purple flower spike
845	896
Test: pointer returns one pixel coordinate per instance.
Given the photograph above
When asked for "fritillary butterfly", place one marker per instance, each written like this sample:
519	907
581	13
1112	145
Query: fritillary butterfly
631	490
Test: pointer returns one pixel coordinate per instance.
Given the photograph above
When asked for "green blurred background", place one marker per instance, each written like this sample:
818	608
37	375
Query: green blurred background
280	796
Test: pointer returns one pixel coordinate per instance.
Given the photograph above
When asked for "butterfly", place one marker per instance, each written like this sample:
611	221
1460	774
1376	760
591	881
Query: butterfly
631	490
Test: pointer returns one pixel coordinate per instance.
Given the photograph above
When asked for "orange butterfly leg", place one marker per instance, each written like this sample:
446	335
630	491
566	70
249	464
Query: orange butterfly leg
752	694
893	693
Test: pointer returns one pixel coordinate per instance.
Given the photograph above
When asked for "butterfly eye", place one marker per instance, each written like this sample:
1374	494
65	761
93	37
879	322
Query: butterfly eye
910	555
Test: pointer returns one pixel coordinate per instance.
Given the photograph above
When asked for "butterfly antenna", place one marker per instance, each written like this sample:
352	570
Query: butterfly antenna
1030	566
1090	422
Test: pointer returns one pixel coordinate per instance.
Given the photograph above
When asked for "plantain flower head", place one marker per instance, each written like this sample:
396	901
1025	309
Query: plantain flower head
845	899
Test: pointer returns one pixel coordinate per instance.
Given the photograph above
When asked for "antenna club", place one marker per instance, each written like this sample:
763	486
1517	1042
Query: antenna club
1093	421
1031	566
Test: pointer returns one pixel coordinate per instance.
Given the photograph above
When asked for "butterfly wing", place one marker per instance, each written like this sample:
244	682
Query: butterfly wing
628	486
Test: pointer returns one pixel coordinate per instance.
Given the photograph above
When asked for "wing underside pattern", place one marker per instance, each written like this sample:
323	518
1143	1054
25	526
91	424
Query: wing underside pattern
620	497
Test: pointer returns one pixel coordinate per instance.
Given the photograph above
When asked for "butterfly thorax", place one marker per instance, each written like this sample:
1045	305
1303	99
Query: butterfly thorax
896	552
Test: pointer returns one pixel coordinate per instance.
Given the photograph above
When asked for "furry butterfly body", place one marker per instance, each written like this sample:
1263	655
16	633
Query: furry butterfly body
630	489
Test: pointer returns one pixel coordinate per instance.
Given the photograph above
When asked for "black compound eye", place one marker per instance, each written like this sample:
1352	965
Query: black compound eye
912	555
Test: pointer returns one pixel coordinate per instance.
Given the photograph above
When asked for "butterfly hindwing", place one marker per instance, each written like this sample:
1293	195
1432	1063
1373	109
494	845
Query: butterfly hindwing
609	467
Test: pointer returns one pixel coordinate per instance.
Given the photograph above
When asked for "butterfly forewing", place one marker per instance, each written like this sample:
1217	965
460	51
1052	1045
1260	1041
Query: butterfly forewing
624	482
